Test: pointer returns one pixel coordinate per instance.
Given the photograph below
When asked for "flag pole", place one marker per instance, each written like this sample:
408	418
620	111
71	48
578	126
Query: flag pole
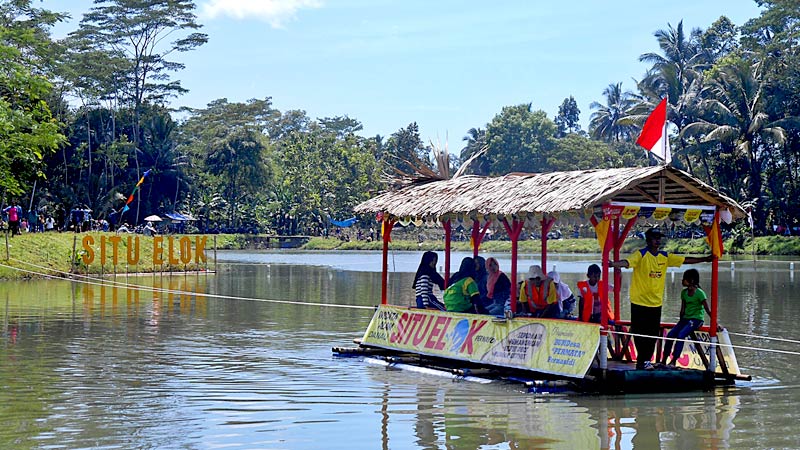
666	139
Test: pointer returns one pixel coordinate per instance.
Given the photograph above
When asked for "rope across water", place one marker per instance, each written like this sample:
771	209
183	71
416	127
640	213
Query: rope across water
84	279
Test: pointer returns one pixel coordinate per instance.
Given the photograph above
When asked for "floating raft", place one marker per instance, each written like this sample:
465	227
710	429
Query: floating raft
618	378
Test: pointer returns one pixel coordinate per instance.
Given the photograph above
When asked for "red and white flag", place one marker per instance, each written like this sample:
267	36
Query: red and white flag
654	133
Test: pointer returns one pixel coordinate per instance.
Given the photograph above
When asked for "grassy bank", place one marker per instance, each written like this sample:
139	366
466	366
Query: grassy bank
30	255
763	245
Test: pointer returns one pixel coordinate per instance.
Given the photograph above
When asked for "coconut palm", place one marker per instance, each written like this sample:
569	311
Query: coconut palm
676	75
735	115
604	123
475	151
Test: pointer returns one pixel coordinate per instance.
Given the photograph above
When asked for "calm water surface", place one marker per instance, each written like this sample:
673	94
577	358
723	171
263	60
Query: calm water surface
91	366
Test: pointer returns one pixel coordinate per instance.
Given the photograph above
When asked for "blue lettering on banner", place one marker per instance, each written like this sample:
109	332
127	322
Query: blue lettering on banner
566	351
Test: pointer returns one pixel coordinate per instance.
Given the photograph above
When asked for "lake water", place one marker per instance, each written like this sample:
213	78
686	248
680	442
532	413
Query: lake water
85	365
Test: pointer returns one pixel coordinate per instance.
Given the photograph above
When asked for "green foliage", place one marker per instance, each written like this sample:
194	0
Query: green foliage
520	140
568	117
27	129
605	122
576	152
138	31
405	151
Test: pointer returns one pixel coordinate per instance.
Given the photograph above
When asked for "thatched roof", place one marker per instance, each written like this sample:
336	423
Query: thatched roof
548	193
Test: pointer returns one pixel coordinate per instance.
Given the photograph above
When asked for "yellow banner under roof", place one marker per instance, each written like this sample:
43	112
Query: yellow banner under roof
558	347
630	212
661	213
692	215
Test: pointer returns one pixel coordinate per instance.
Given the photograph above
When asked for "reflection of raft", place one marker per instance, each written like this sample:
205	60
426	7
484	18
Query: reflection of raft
548	350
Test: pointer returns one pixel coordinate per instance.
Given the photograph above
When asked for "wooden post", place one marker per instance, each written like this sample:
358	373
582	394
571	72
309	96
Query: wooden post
74	244
7	254
514	229
607	247
477	235
447	224
215	253
712	365
547	223
387	232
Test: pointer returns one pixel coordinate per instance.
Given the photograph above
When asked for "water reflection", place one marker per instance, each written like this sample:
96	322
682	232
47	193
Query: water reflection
90	366
468	417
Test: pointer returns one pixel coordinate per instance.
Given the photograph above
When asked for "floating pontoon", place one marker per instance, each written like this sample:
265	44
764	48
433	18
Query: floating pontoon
586	356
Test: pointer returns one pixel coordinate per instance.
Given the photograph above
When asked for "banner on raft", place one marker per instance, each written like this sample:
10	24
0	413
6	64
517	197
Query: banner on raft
690	359
556	347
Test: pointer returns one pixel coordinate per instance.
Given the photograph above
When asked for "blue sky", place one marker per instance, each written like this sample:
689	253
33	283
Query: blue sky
448	65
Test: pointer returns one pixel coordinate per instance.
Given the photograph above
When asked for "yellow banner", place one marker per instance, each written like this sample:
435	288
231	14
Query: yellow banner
559	347
661	213
691	215
601	230
630	212
690	359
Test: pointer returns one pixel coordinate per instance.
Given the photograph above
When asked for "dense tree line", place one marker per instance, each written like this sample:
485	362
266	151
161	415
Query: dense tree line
84	117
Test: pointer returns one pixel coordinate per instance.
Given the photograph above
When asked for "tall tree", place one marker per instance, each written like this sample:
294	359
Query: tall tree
604	123
568	118
735	114
476	142
520	140
406	151
138	30
678	76
27	128
228	142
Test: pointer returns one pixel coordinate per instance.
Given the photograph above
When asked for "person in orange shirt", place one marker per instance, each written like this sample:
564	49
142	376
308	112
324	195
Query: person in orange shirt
538	295
590	289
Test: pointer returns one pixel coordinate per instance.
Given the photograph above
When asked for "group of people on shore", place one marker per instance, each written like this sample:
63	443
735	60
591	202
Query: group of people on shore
16	221
479	286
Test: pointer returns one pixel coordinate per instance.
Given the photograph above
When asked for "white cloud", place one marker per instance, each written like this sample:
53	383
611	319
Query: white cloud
274	12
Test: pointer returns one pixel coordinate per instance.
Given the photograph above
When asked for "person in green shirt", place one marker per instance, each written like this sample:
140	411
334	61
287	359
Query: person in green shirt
693	302
462	293
647	291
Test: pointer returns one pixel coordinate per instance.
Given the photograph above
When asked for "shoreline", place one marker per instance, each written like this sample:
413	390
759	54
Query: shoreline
42	255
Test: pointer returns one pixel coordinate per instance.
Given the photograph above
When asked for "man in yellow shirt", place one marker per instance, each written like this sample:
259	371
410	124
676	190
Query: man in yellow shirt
647	291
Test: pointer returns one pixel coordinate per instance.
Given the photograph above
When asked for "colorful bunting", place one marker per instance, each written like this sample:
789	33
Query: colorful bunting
136	188
630	212
661	213
691	215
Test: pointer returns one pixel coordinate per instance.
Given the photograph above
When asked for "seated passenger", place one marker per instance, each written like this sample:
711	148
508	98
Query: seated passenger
481	276
498	289
424	280
590	308
462	294
565	298
538	295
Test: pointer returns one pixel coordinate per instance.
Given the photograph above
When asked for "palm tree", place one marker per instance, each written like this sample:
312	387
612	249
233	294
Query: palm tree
676	75
735	115
604	123
476	142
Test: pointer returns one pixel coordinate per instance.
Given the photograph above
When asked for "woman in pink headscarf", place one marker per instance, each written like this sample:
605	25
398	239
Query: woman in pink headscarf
498	288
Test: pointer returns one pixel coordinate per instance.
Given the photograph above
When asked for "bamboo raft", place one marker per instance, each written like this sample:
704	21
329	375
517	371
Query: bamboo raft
549	354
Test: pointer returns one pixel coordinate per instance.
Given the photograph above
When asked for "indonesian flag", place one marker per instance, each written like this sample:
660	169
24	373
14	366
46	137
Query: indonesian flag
654	133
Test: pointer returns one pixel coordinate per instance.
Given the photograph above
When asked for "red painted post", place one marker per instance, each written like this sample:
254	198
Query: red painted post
448	230
513	231
387	231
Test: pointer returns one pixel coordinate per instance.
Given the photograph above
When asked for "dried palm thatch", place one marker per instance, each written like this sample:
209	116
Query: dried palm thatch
548	193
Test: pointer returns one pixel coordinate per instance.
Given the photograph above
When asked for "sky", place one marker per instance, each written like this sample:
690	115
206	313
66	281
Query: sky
447	65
